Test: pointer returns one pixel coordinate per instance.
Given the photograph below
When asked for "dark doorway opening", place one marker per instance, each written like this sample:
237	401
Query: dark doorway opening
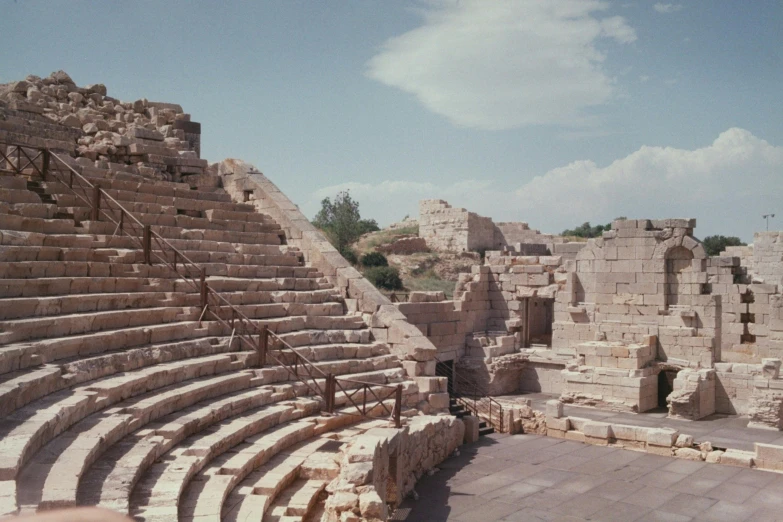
446	369
665	386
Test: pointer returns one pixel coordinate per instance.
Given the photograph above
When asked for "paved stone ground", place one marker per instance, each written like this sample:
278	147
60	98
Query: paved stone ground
530	477
723	431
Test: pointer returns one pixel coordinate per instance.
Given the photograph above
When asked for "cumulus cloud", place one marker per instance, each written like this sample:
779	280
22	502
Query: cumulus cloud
500	64
667	8
726	185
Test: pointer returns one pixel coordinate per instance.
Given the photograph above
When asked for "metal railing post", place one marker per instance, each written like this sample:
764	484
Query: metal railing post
398	407
45	168
330	392
96	203
263	342
203	288
146	242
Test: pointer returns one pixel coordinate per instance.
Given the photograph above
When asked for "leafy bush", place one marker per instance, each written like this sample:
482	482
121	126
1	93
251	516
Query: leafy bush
386	277
374	259
349	254
714	245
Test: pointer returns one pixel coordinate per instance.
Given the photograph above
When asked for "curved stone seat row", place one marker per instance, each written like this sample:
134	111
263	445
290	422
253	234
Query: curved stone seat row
113	393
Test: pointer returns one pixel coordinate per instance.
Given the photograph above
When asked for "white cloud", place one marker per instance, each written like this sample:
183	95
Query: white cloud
667	8
644	78
501	64
727	185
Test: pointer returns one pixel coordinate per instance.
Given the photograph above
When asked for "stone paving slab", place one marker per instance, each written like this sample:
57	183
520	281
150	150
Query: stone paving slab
530	477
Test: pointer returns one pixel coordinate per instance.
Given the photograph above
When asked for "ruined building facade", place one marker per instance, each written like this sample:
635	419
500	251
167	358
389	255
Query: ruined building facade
637	319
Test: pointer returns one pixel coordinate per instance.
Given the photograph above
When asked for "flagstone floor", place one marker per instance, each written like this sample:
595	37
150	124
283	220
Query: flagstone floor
530	478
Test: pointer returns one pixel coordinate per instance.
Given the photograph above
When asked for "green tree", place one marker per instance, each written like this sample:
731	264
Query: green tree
714	245
341	222
587	231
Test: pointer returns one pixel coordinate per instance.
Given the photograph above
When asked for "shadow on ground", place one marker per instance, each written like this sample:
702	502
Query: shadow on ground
439	493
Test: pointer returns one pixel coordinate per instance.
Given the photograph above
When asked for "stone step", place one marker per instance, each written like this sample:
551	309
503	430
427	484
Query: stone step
14	253
49	269
22	387
204	497
25	354
82	323
166	232
38	225
110	481
253	304
115	474
22	355
41	210
12	196
226	286
29	307
29	428
253	496
51	478
157	495
79	240
157	215
313	337
296	501
122	191
339	351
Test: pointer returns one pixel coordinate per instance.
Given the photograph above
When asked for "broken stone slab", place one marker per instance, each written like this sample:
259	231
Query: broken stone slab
663	437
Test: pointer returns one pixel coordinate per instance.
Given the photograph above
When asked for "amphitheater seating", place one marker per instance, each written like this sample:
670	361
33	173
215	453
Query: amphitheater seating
115	391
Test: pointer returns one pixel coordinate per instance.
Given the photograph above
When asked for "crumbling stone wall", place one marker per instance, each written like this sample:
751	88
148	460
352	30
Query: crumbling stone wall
637	281
157	139
446	228
381	466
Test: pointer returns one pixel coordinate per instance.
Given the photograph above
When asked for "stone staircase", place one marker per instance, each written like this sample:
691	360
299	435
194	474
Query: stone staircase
459	410
116	391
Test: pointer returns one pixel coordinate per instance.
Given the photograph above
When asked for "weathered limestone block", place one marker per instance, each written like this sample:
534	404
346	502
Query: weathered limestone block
471	428
766	409
694	394
554	409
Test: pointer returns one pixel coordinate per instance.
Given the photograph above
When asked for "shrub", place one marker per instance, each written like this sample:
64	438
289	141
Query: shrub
374	259
349	254
386	277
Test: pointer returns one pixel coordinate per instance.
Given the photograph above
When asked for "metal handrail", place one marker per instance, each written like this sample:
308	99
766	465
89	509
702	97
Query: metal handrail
92	195
476	400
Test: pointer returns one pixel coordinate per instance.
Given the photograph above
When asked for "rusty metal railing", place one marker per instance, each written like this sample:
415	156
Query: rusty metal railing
470	395
156	248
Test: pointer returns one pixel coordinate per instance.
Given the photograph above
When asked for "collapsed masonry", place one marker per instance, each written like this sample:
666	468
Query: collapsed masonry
639	318
120	388
445	228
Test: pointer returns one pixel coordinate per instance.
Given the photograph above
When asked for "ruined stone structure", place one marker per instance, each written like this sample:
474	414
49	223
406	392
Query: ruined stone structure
640	319
119	388
456	230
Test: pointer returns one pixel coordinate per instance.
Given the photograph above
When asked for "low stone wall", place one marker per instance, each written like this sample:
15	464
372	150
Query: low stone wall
658	441
245	184
381	466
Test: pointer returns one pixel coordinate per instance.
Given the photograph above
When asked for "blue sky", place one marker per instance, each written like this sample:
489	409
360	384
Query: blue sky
552	112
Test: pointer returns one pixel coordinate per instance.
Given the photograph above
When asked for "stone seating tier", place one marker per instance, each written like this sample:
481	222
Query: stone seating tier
111	391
